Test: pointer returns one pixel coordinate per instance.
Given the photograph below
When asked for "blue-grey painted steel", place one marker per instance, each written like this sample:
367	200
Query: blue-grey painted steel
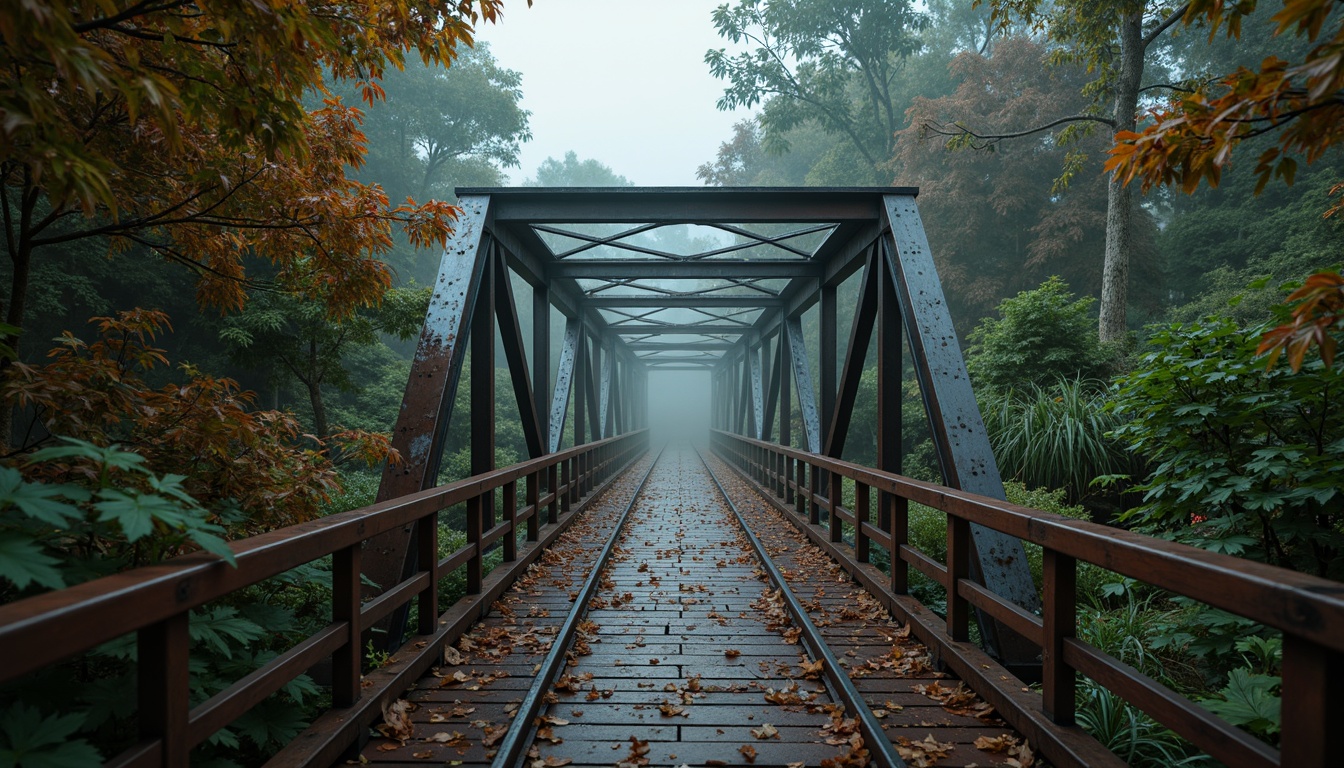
802	379
564	380
954	418
757	395
604	397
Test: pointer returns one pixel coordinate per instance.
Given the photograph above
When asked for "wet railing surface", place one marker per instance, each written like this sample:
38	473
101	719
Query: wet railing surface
155	602
1309	611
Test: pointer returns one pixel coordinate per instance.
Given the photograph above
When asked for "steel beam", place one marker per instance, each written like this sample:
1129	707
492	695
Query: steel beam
668	346
802	378
772	388
515	355
860	334
954	418
672	329
541	360
564	383
426	407
673	205
604	396
663	301
757	395
671	269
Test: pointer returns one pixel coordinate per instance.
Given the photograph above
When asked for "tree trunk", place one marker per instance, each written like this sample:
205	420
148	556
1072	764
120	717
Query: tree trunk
21	263
1120	198
319	408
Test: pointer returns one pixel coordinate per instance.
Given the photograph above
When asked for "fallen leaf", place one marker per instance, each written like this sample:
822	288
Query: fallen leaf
748	752
732	653
766	731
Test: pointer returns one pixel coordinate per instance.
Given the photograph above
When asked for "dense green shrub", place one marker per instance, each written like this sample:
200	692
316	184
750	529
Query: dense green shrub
1040	337
1245	460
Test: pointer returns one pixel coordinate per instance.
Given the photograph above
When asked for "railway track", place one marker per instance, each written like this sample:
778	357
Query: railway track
646	637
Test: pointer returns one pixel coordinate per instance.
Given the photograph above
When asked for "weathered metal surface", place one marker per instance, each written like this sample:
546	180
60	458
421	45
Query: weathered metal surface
515	353
802	378
604	396
635	205
564	383
665	301
954	418
426	407
860	333
684	269
757	394
541	361
772	387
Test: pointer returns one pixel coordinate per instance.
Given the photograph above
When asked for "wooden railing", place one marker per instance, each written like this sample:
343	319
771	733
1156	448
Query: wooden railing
155	602
1309	611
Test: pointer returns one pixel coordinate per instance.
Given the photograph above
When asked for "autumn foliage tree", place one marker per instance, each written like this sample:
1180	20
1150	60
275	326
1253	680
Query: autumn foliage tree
1300	104
179	130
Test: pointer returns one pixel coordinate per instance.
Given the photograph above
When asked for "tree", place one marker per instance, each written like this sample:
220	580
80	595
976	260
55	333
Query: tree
1115	41
296	340
573	172
1192	137
441	124
820	61
1001	219
185	133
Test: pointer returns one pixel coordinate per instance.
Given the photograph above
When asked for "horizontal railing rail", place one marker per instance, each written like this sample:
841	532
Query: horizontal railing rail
155	602
1308	610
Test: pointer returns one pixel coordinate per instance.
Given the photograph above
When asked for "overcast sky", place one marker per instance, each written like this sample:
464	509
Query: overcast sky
620	81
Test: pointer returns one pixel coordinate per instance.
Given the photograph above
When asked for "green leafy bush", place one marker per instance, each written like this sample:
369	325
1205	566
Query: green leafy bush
1040	336
1245	461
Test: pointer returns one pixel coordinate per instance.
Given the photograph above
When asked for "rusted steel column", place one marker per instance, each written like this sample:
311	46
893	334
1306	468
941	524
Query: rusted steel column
427	405
954	419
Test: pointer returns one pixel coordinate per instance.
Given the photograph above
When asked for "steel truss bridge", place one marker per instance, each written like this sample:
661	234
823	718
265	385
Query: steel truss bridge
717	280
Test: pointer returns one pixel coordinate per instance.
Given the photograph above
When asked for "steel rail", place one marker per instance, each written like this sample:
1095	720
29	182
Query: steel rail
513	746
880	748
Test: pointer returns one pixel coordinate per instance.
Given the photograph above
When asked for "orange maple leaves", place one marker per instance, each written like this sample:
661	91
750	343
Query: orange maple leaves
1319	311
1191	138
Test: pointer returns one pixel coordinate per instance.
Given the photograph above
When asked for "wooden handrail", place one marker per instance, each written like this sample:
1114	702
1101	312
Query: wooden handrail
1309	610
155	601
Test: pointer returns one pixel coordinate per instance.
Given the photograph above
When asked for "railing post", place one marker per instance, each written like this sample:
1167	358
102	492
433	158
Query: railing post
510	502
534	501
565	482
789	479
1312	718
800	499
427	540
837	495
958	567
814	508
474	531
1060	622
346	659
163	671
898	525
861	516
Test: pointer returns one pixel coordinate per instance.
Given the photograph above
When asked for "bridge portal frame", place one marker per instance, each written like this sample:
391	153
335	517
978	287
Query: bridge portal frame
594	254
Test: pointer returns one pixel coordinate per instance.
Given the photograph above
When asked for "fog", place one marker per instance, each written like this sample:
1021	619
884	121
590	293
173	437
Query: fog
679	406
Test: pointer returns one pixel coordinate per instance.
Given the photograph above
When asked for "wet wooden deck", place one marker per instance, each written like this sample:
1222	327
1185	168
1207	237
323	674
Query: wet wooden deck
687	658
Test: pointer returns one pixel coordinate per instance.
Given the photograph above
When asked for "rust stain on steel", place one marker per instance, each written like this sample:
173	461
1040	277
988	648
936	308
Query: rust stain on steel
425	408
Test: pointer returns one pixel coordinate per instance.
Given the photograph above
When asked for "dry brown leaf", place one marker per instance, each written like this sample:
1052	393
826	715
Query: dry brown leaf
748	752
397	720
732	653
766	731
